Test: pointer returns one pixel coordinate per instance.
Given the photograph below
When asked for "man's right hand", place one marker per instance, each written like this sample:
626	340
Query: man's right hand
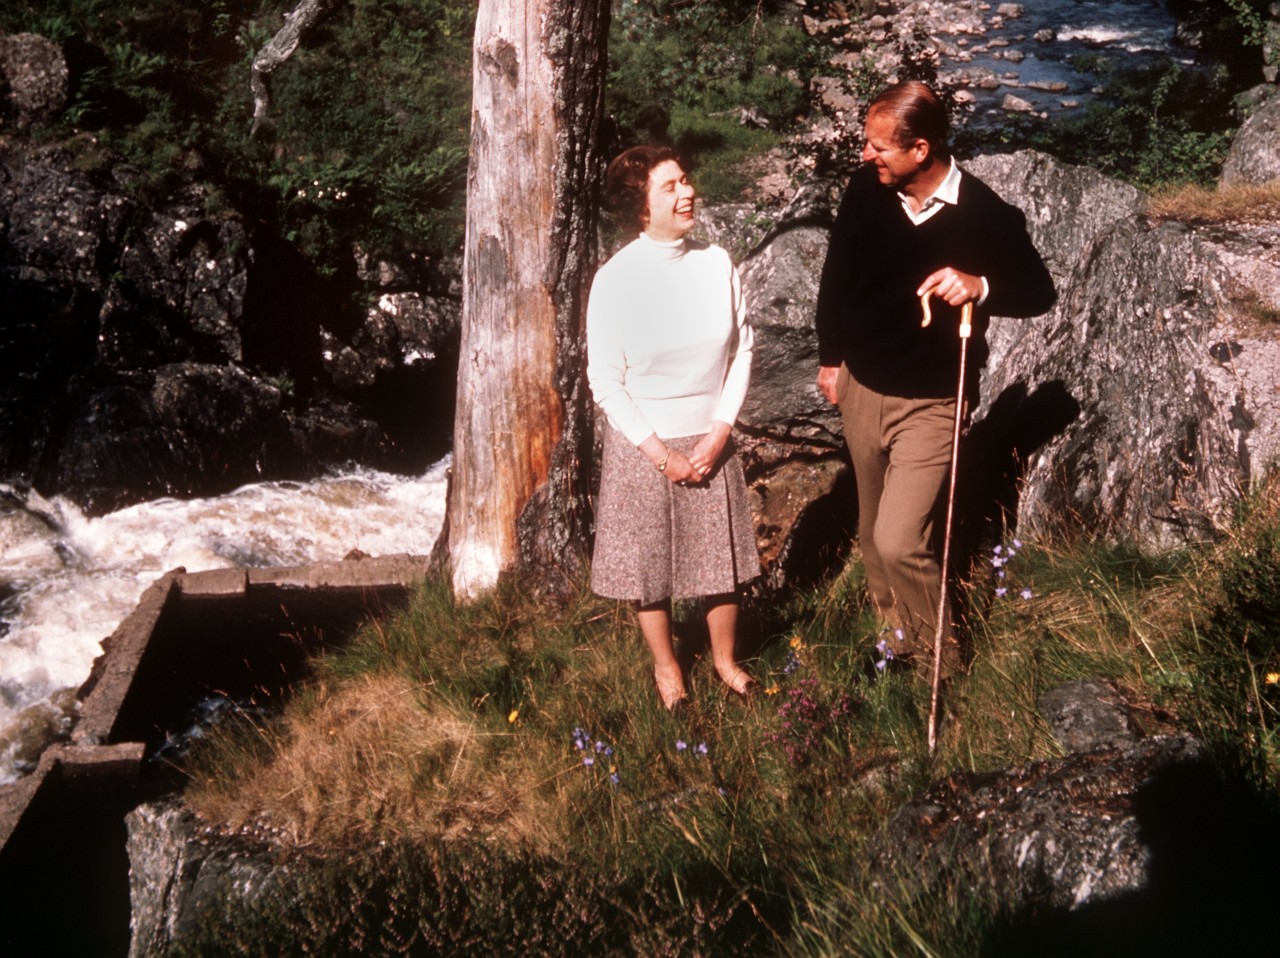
827	377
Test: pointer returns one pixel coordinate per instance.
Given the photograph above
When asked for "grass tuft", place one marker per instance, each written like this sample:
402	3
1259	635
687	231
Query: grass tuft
1242	203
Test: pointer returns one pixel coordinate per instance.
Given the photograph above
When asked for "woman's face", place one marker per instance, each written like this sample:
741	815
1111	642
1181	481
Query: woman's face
670	203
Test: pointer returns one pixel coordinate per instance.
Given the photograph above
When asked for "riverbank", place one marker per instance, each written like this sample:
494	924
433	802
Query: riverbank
72	578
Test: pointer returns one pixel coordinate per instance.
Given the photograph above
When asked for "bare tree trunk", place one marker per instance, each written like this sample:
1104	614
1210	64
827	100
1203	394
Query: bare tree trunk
521	435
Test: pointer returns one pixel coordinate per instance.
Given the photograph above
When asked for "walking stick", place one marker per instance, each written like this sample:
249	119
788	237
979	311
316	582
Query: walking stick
966	329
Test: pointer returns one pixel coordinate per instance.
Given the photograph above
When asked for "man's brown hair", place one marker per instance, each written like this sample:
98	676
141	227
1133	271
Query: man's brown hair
918	114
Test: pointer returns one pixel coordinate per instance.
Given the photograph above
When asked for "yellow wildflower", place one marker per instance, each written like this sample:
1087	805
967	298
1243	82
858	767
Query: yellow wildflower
515	714
1273	678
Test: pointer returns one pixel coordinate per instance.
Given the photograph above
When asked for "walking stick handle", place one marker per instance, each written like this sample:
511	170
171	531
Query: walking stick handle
966	315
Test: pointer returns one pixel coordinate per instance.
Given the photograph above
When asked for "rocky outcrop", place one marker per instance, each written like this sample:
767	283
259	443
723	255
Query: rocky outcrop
792	444
173	872
34	79
1127	845
1142	406
1254	156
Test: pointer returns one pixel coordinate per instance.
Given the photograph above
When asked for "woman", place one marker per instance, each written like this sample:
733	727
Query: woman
669	358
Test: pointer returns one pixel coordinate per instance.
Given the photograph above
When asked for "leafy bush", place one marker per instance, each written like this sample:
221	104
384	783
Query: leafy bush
692	70
1150	126
366	139
383	158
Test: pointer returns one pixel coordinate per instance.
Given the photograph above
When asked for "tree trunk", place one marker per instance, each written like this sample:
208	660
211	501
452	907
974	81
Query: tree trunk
518	495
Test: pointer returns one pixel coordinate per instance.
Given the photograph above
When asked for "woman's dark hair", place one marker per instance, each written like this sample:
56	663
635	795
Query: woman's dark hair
918	114
626	183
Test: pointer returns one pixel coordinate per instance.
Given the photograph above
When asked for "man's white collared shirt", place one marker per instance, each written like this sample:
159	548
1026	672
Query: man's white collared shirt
948	191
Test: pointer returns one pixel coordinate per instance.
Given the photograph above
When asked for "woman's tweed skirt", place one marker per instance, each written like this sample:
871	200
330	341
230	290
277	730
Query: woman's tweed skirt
656	540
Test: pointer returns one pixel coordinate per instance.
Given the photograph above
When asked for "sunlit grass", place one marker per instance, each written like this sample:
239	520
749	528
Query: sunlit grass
1242	202
511	736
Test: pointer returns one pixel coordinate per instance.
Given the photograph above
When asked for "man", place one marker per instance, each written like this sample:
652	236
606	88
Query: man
911	222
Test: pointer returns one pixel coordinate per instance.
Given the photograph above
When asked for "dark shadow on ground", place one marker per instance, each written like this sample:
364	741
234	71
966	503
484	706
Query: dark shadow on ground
994	457
1214	880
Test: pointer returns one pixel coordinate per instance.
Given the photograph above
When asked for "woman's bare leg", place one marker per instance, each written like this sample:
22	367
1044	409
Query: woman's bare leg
722	624
655	625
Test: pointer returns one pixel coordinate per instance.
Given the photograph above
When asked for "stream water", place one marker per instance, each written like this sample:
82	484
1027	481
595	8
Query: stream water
1049	55
66	580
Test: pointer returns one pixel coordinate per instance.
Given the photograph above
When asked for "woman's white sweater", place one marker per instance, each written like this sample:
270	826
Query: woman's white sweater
668	343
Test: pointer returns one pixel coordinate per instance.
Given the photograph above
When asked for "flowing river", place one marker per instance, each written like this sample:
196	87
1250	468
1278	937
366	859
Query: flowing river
67	580
1050	54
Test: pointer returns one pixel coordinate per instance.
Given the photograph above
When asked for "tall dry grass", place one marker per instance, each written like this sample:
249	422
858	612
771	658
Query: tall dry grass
1240	203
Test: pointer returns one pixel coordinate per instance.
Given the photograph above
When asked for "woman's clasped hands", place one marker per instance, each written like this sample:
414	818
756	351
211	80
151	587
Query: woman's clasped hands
697	466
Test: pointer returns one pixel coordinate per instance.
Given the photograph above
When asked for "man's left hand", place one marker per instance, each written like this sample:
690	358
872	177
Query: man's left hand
952	286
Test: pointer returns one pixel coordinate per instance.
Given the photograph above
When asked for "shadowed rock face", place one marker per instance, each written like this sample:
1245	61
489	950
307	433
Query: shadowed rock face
1125	846
166	351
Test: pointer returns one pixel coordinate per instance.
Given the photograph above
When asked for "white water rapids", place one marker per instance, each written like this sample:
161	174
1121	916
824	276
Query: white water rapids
67	580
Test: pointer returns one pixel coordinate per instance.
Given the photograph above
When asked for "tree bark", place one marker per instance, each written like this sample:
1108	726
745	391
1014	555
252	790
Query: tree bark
518	494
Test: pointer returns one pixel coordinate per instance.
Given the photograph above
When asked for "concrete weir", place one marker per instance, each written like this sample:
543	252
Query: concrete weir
246	634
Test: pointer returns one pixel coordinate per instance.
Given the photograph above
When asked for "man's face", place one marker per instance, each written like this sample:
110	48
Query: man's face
896	165
670	198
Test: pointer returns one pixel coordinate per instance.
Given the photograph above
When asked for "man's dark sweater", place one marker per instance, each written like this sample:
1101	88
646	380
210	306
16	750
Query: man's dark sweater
868	314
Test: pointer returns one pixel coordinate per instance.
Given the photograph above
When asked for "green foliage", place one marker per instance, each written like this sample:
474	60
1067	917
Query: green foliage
688	69
1247	612
1249	19
381	158
366	138
1152	127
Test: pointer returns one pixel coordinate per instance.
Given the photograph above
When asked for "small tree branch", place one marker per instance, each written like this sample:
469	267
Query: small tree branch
279	48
